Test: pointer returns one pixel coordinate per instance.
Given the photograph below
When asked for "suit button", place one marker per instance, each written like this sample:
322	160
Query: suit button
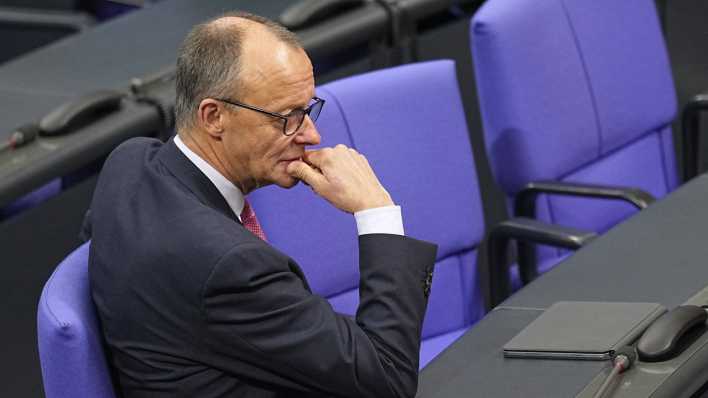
427	283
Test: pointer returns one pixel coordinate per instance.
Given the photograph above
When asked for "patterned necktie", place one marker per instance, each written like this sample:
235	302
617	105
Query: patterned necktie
249	220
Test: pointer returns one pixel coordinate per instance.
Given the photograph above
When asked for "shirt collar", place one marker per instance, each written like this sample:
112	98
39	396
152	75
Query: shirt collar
230	192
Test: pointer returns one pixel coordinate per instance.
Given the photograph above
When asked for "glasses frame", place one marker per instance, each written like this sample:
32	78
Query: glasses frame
306	112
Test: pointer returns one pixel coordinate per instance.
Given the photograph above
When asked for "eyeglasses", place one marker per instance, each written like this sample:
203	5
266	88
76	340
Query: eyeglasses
293	120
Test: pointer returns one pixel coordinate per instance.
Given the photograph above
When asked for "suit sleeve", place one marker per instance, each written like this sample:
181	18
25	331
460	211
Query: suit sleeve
266	328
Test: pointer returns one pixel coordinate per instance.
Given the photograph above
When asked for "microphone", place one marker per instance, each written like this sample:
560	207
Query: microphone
21	136
623	360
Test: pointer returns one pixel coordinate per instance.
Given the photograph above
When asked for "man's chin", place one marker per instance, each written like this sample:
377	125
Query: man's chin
287	182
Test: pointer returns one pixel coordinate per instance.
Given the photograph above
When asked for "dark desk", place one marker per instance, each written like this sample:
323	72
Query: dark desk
104	57
31	166
19	107
659	255
110	54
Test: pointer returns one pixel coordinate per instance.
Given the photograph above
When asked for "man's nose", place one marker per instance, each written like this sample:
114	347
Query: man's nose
308	134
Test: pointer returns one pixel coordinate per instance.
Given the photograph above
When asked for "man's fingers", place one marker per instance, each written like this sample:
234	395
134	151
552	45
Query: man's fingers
320	157
316	157
304	172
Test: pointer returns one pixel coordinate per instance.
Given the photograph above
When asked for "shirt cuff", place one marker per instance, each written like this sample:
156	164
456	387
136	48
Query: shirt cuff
380	220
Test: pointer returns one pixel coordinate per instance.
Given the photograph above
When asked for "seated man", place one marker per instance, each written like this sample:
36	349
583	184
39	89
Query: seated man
193	301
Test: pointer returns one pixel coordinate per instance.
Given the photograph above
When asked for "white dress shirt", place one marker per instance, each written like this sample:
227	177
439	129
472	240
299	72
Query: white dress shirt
381	220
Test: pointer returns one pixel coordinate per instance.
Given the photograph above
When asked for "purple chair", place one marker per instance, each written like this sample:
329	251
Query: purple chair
70	343
577	101
410	124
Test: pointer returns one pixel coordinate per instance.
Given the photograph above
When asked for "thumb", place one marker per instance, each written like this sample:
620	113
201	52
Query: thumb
306	173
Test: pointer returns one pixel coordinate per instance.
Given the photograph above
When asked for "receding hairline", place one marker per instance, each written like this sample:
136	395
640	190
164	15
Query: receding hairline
228	20
250	28
244	23
231	34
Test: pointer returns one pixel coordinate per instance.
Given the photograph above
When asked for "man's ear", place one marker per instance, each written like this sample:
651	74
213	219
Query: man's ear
211	116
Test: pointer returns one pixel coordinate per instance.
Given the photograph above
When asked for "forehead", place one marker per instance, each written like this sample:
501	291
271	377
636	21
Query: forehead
275	70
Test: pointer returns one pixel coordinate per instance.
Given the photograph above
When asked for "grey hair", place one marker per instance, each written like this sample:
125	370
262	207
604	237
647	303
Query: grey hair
209	62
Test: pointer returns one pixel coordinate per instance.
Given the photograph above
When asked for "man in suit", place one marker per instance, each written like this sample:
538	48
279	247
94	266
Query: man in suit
192	300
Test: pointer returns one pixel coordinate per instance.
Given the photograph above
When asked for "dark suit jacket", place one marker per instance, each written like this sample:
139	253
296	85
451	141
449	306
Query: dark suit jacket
194	305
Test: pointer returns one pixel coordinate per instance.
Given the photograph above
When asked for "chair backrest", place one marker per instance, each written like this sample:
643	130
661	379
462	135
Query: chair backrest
70	344
576	90
409	122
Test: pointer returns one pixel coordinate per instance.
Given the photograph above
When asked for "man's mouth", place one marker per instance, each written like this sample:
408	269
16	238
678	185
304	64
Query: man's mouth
291	159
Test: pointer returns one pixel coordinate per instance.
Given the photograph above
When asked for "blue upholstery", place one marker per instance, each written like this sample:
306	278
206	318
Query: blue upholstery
70	344
410	124
575	91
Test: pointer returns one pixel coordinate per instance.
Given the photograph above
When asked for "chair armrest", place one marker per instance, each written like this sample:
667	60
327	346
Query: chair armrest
525	201
690	129
525	206
524	231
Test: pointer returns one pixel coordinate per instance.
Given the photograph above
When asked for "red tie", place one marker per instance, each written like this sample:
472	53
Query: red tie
249	220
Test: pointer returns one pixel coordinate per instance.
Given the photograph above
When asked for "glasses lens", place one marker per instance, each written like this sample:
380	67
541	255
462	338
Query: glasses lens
295	119
315	109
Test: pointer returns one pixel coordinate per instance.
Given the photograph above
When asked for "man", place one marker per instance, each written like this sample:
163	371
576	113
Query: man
193	301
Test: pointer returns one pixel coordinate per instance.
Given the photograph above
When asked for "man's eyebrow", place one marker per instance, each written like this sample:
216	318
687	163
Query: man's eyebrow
291	107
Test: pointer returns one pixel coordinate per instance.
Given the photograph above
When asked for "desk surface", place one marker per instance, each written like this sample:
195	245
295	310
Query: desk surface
110	54
18	108
139	44
658	255
104	57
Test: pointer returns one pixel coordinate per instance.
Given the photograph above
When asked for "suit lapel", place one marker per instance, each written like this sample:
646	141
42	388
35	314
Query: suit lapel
191	177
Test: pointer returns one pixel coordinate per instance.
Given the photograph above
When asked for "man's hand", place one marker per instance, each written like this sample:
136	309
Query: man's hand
343	177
